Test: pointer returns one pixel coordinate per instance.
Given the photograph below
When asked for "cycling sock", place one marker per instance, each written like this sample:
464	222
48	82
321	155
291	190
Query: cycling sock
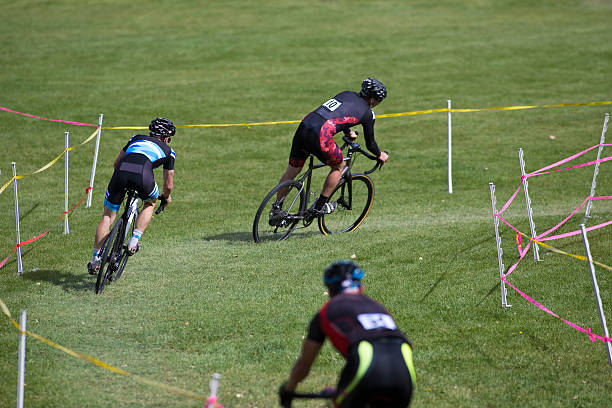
95	255
320	202
134	239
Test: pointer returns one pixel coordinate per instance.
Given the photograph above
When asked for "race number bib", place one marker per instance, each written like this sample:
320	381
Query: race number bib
332	104
371	321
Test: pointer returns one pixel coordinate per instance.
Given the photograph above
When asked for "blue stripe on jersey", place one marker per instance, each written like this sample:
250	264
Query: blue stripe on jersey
172	154
149	149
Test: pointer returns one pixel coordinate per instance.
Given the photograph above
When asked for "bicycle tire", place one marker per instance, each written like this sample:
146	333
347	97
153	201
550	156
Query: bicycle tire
347	218
293	203
109	253
124	253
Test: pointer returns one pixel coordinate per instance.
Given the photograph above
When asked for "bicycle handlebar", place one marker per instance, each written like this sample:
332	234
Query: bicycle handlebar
162	205
355	146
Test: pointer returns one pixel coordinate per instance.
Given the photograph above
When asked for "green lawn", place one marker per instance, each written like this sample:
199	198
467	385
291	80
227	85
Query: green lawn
201	297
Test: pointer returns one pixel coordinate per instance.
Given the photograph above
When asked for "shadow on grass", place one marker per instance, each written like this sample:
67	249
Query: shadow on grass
68	281
248	236
26	214
457	255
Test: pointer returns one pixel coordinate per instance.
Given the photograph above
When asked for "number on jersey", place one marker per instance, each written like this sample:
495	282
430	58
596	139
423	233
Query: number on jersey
332	104
371	321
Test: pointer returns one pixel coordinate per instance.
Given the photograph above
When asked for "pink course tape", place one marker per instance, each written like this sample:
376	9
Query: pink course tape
569	234
51	120
605	159
594	337
560	162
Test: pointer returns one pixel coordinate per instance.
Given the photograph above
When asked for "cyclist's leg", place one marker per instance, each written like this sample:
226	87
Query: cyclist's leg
388	379
145	183
112	203
331	155
297	158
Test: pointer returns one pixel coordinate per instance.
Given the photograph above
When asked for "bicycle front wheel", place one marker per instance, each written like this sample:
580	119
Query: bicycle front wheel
111	252
276	225
354	201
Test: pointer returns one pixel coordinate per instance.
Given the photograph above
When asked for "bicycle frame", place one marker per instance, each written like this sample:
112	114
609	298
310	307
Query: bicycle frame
346	173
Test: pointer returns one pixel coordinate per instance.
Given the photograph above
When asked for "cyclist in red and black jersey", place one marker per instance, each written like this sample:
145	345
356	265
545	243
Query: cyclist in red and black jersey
379	371
315	135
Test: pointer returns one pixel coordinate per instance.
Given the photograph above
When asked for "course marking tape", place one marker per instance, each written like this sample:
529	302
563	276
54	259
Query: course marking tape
51	163
95	361
386	115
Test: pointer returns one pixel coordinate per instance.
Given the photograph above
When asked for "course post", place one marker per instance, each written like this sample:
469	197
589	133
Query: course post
95	161
536	253
21	359
211	401
16	194
596	170
450	148
602	317
499	248
67	143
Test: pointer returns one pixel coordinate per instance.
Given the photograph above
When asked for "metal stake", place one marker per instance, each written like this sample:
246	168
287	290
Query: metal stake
602	317
596	170
450	149
536	253
21	359
499	248
95	161
15	193
66	227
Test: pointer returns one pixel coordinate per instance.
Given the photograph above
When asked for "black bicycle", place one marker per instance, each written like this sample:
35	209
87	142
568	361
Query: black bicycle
353	195
114	249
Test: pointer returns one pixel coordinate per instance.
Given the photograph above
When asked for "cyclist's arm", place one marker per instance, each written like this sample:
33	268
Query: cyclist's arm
368	134
301	368
119	157
168	184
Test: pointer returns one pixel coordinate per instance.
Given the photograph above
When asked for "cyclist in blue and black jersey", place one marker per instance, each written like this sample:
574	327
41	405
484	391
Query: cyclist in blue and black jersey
379	371
315	135
134	170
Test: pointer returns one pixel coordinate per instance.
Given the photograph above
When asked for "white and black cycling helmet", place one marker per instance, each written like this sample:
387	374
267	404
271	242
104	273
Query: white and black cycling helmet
342	275
373	88
162	127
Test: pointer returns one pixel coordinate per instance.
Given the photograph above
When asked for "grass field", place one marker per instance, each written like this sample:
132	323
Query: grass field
201	297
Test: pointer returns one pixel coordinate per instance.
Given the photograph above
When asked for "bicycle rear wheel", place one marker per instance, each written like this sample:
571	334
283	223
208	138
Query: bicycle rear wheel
277	226
353	206
122	261
111	252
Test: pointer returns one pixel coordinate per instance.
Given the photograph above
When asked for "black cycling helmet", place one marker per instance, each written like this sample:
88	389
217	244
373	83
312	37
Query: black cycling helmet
342	275
162	127
373	88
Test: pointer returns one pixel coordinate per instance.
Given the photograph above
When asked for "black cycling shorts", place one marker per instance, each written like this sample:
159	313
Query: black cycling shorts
133	172
314	136
378	373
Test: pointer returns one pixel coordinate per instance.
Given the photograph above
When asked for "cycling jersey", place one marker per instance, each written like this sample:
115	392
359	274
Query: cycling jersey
379	371
153	148
135	170
315	133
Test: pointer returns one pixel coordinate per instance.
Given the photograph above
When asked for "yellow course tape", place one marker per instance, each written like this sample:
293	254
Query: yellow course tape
51	163
579	257
286	122
102	364
387	115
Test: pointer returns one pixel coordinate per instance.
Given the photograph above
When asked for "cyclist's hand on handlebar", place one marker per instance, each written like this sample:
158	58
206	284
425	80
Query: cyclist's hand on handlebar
353	134
383	157
284	395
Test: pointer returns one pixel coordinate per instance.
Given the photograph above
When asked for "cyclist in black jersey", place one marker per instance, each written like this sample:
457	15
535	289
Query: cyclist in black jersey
315	134
379	371
134	170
